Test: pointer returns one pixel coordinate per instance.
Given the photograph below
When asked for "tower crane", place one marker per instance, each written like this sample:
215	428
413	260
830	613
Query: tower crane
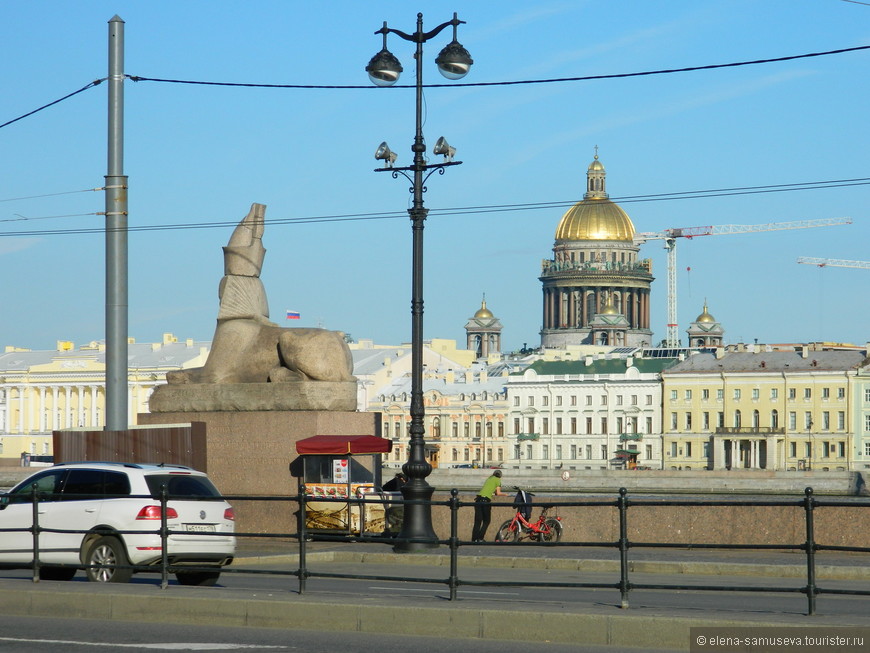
670	237
833	262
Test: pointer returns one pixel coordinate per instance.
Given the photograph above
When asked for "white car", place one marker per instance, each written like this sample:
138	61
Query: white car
88	515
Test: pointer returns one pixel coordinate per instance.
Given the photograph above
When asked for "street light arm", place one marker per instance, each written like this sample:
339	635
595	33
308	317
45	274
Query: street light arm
419	36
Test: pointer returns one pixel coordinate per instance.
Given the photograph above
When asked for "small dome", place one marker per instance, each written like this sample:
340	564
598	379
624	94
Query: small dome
705	316
483	312
609	309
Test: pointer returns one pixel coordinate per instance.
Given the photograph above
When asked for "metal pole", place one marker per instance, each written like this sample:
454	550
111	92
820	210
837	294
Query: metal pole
116	239
417	532
624	585
810	546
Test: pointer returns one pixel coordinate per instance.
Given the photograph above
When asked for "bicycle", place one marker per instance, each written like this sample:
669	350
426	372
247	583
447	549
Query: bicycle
546	529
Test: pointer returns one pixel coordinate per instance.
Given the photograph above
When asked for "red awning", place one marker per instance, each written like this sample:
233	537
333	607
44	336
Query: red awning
343	444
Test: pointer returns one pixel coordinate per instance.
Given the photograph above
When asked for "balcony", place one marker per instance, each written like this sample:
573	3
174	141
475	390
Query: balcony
528	436
630	437
750	430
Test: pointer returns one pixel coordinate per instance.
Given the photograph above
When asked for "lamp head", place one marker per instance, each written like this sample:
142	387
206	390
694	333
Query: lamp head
442	147
385	154
454	61
384	69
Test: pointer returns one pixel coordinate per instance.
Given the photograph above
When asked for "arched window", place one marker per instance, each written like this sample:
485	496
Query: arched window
737	419
436	427
756	419
774	419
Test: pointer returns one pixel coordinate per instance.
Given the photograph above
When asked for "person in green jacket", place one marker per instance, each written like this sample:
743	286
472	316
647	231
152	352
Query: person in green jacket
483	505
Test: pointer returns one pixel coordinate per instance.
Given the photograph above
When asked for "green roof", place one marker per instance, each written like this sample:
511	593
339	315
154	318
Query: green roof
600	366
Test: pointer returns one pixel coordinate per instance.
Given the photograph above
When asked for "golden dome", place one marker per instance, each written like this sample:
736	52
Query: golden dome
609	308
595	217
483	312
705	316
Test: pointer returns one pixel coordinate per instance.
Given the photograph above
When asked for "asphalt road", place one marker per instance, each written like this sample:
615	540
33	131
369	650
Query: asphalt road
53	635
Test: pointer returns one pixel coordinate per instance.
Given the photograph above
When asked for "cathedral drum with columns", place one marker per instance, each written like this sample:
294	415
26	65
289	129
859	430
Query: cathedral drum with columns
596	289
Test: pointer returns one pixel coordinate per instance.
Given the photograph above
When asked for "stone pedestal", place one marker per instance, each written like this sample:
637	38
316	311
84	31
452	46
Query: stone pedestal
249	453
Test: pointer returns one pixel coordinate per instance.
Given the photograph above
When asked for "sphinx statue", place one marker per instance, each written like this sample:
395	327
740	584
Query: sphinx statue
248	348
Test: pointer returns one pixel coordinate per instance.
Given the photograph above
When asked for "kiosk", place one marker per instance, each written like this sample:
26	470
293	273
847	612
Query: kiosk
336	467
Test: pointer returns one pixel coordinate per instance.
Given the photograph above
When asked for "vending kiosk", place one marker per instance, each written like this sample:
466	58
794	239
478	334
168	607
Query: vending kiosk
341	479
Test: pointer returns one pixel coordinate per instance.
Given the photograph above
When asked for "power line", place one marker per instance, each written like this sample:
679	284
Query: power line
96	82
137	78
667	71
453	211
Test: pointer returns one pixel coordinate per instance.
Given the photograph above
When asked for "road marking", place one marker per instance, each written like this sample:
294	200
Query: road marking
166	646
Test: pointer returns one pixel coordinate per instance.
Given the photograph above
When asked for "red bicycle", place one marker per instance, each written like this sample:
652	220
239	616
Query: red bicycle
546	529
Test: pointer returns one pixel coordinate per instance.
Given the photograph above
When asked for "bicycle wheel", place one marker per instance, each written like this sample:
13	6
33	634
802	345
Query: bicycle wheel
507	534
553	532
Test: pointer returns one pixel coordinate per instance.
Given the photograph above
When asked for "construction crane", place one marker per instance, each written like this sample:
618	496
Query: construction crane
670	236
833	262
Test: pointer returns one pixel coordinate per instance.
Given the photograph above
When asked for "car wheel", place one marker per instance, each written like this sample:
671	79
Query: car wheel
201	578
57	573
105	559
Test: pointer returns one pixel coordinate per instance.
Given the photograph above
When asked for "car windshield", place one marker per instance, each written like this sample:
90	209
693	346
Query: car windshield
182	485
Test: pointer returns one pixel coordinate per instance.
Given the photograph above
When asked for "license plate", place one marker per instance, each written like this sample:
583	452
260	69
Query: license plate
200	528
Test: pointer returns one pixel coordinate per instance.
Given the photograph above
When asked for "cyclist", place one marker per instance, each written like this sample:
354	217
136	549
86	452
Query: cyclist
483	505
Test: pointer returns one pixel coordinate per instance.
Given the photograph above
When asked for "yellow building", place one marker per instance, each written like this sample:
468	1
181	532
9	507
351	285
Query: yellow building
46	390
756	407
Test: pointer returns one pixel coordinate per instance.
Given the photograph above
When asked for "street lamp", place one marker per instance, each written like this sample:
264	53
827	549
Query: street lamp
384	70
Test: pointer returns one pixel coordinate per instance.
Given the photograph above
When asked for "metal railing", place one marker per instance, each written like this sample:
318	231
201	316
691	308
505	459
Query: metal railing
622	504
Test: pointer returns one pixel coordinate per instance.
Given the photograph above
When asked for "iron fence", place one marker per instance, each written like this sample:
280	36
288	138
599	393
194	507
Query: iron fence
622	504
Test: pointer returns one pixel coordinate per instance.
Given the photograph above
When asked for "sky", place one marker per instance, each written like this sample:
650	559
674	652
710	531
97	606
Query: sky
199	155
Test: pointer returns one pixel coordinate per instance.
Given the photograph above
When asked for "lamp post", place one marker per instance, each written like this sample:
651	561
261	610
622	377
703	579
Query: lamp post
384	70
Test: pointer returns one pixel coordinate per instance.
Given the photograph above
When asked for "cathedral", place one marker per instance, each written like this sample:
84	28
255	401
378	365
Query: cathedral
596	289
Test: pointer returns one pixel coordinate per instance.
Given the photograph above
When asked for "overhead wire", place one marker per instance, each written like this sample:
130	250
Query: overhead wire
454	211
94	83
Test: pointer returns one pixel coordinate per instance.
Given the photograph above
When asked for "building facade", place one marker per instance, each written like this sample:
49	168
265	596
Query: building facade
44	390
600	412
755	407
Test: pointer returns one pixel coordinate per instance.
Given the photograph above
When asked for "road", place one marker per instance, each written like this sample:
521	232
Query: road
52	635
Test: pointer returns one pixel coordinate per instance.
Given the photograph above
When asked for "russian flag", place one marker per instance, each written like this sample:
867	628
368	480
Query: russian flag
292	315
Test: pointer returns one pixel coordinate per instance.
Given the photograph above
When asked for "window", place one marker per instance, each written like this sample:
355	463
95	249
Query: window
386	429
841	449
545	452
841	421
649	428
588	425
516	401
545	400
573	400
738	419
720	394
688	421
720	419
688	395
792	393
705	393
673	421
688	450
619	425
531	400
705	421
558	452
673	395
573	426
808	420
603	400
558	426
736	394
603	452
649	400
867	395
756	419
588	451
792	420
826	421
619	400
774	393
649	452
517	428
545	426
826	393
529	451
559	400
808	393
867	423
774	419
841	393
673	449
867	448
755	393
792	449
634	400
531	422
604	426
588	400
573	451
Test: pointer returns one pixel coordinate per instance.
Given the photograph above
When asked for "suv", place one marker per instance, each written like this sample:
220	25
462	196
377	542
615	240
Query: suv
106	517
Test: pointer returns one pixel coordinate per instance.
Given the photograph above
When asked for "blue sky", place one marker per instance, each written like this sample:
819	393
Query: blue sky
203	154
